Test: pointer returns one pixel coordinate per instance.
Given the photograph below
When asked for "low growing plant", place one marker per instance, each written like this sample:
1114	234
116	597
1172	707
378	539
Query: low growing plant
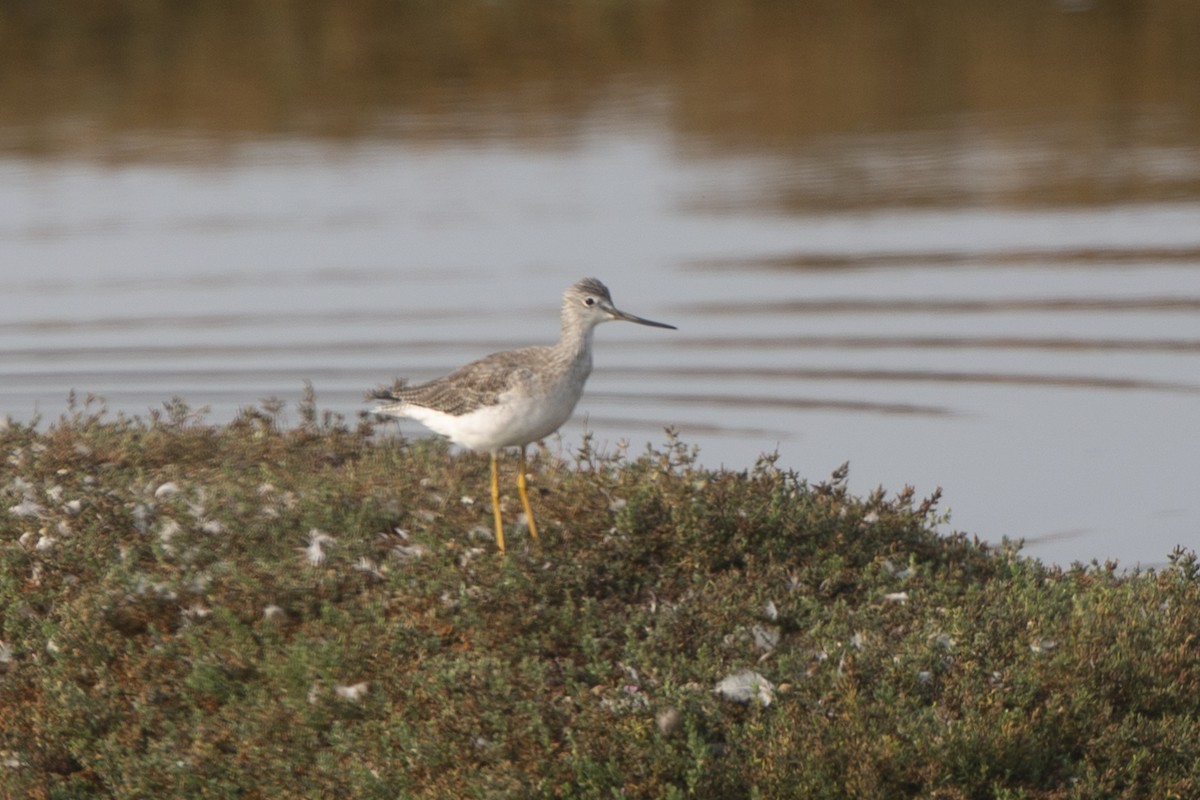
262	611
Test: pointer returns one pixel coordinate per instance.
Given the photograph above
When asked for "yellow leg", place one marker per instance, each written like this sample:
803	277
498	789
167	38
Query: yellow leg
496	505
525	497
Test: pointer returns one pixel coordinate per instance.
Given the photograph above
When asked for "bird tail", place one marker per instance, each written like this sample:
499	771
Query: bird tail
383	392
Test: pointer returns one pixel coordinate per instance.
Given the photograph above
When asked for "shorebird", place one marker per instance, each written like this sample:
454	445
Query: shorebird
514	397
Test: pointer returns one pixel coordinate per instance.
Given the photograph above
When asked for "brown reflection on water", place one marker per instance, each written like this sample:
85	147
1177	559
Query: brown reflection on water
690	428
841	305
903	342
909	376
207	322
1063	257
1022	103
744	402
412	346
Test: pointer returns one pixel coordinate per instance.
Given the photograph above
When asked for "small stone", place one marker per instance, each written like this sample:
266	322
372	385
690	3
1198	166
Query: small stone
766	637
745	687
352	694
166	490
668	721
26	509
198	612
1043	645
408	552
770	611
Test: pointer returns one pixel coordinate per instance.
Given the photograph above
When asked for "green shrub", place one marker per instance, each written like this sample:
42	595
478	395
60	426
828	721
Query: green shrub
168	630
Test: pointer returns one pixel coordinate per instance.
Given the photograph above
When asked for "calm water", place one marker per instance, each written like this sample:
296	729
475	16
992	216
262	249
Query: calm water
1001	302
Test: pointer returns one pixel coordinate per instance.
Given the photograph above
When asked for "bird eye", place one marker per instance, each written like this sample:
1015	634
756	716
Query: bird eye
589	301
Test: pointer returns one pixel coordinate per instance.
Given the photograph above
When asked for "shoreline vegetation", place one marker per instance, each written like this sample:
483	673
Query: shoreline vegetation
266	609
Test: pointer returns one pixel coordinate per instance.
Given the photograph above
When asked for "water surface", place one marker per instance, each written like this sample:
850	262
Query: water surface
974	267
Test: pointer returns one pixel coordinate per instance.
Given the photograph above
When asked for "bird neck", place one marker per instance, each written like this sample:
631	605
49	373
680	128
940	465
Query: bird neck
576	341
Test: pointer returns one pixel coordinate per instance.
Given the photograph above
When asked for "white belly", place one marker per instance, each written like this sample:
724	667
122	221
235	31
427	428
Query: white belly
516	420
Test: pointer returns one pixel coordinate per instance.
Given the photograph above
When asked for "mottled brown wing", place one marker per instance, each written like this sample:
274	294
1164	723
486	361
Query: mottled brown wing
474	386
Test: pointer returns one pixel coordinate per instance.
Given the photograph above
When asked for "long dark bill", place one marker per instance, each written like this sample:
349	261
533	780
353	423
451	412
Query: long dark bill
618	314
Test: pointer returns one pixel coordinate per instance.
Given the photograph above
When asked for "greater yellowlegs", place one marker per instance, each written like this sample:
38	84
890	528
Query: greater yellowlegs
515	397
